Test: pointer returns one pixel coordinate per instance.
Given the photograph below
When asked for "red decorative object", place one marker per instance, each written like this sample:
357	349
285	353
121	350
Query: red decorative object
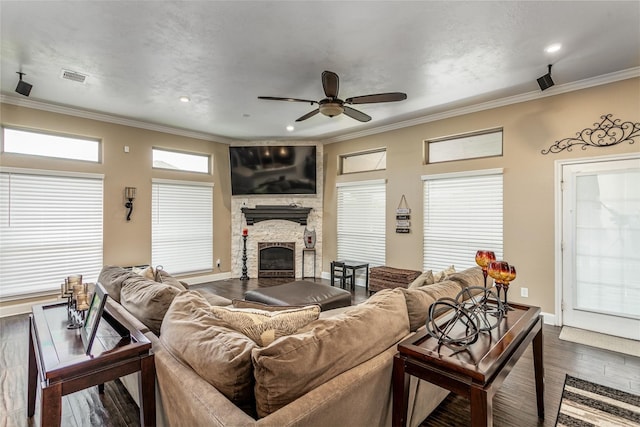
245	231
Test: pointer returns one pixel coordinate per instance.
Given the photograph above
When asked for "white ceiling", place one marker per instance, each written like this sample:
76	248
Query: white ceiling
141	56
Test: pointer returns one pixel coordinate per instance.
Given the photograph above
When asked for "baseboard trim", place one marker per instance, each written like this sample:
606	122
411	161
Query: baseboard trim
196	280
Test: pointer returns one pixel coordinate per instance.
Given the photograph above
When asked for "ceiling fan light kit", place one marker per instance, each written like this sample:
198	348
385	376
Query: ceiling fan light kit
332	106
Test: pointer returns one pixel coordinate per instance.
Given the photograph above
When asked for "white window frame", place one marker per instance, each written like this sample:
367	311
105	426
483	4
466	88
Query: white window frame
361	222
463	212
51	226
345	158
183	243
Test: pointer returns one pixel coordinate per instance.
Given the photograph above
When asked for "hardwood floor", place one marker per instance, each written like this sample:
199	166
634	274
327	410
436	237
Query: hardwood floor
513	405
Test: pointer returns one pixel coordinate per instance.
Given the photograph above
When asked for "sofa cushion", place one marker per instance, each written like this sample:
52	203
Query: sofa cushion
293	365
419	299
425	278
217	353
469	277
265	326
162	276
112	277
147	300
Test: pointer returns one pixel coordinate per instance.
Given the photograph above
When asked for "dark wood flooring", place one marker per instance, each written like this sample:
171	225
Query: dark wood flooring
514	404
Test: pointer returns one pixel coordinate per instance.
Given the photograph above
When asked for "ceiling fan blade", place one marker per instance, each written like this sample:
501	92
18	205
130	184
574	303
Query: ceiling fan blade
275	98
355	114
330	84
378	97
309	114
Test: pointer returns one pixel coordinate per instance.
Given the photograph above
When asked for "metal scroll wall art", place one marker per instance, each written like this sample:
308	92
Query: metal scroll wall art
605	134
476	310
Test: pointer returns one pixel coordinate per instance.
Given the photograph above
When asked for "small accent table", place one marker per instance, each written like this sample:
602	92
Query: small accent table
59	365
476	373
354	266
312	252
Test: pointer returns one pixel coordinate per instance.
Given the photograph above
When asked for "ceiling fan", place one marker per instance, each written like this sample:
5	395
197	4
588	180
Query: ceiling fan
332	106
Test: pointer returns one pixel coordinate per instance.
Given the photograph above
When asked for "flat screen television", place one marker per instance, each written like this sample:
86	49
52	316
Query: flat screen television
273	169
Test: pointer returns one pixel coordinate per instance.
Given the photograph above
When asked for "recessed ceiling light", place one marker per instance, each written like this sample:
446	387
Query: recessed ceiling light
553	48
184	99
290	128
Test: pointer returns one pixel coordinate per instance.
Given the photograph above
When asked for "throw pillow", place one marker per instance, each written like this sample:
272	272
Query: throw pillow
162	276
264	326
469	277
440	276
425	278
147	300
112	277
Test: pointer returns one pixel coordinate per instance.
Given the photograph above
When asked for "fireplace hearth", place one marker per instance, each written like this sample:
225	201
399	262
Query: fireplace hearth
276	259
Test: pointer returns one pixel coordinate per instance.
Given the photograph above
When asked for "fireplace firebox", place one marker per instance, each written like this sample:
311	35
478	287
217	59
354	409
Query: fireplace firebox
276	259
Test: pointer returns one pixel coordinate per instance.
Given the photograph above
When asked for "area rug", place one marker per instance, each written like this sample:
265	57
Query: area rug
587	404
594	339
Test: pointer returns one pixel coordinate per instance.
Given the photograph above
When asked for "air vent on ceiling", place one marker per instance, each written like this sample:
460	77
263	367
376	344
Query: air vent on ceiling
73	76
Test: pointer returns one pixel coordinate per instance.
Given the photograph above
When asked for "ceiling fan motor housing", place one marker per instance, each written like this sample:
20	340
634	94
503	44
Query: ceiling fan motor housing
331	107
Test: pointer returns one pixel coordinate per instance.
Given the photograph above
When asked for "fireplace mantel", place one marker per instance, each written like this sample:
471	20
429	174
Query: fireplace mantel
266	212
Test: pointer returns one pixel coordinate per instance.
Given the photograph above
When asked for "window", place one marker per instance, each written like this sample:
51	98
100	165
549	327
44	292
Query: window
361	221
188	162
461	147
42	144
462	213
50	228
363	162
182	226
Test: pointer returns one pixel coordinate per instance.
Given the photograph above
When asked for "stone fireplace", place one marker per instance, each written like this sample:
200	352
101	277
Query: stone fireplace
276	259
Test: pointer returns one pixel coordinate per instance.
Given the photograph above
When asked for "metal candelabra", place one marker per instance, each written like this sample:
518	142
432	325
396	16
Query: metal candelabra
244	259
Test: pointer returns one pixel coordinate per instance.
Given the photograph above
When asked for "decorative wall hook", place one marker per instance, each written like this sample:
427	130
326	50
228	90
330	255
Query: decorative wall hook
605	134
129	194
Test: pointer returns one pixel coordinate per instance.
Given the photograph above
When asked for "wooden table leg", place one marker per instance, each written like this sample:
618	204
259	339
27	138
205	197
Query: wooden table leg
481	407
147	391
32	380
538	367
400	393
51	405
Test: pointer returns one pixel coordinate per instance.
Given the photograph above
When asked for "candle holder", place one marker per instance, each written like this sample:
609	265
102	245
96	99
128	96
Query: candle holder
483	258
244	255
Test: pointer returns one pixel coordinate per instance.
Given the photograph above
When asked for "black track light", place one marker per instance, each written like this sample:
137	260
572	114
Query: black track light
23	87
545	82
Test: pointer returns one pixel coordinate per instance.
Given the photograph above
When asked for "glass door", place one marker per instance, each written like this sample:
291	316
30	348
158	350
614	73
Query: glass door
601	246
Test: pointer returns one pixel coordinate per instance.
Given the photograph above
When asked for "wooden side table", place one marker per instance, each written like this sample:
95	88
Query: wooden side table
476	373
59	365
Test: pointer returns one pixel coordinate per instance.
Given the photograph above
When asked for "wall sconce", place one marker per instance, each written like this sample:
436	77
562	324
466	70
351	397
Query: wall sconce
129	194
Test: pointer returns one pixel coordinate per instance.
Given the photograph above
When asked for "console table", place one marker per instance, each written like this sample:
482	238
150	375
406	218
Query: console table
475	373
59	365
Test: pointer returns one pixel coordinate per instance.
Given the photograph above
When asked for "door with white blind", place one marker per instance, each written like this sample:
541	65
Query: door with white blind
361	222
601	246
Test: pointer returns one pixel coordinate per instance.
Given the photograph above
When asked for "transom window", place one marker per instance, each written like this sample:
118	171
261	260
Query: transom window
363	162
49	145
474	145
176	160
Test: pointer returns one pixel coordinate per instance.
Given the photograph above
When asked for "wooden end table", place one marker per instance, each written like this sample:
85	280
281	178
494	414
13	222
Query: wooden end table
57	360
475	374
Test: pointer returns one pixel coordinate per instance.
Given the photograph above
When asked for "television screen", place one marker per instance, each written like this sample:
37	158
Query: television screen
270	169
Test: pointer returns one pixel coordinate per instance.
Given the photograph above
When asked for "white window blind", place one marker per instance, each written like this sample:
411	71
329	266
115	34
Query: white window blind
361	221
182	226
50	228
462	213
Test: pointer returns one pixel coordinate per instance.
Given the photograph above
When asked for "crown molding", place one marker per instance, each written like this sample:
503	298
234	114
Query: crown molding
529	96
108	118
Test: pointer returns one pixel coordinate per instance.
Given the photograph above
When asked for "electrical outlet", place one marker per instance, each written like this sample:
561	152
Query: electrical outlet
218	263
524	292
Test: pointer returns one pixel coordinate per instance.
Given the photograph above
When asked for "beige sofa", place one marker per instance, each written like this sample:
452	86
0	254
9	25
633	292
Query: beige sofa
335	370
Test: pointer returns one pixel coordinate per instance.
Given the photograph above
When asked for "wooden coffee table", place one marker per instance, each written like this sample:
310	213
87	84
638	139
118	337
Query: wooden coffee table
477	373
59	365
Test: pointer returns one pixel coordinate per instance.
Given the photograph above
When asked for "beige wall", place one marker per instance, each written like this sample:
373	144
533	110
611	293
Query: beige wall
528	128
128	243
